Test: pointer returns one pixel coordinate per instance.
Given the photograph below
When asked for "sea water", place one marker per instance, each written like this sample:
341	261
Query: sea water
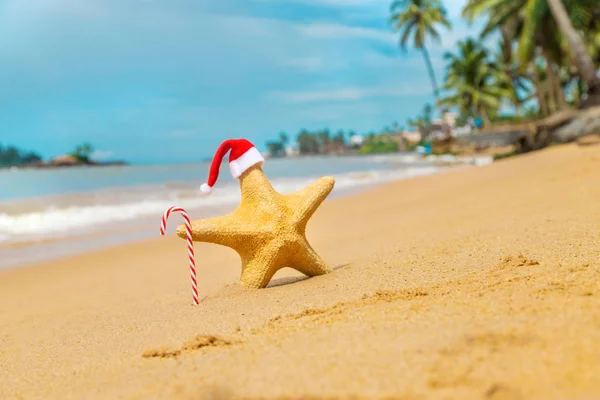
55	212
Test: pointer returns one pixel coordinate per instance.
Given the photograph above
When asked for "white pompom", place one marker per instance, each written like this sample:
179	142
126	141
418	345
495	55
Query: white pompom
204	188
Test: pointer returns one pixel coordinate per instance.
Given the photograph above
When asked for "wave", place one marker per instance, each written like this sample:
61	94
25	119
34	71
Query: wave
65	220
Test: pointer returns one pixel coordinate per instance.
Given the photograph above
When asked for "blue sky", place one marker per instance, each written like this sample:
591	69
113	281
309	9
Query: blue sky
160	81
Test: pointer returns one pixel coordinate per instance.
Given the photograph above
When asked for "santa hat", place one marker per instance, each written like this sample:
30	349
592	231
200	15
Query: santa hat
243	155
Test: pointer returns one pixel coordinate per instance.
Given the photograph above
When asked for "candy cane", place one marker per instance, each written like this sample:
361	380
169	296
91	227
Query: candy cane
190	244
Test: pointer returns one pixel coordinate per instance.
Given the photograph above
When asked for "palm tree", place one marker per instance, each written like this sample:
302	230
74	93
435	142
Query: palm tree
283	138
275	148
530	23
582	60
307	143
538	76
419	19
324	138
427	111
470	78
533	25
508	76
591	28
83	152
340	137
339	140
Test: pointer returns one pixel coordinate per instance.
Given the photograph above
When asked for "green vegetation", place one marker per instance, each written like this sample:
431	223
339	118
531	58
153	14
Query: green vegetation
83	152
505	155
546	59
11	156
378	144
321	142
318	142
472	79
544	54
423	120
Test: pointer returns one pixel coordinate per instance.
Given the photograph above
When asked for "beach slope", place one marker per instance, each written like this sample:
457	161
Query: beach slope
478	283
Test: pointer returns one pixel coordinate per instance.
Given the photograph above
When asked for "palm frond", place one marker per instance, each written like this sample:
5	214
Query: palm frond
501	15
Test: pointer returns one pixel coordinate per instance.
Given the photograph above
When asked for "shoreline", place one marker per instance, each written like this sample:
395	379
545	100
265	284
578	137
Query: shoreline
443	286
49	165
400	154
67	246
144	225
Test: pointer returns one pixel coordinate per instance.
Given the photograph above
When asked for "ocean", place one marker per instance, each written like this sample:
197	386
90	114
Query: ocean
46	213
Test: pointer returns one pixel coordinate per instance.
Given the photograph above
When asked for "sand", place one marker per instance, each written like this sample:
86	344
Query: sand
478	283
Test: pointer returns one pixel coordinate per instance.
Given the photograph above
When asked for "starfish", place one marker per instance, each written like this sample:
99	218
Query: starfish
268	229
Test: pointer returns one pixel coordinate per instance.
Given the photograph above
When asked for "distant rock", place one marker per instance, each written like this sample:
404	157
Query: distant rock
66	160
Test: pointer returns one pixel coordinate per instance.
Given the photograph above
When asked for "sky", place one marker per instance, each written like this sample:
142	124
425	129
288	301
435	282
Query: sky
166	81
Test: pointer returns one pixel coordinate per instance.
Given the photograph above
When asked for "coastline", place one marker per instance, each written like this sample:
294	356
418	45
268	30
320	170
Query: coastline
442	284
50	165
115	201
23	253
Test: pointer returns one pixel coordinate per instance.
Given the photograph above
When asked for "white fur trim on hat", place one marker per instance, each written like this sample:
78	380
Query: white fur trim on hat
248	159
204	188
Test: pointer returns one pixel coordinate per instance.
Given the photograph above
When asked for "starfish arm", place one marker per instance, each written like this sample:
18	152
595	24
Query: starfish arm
226	230
256	189
307	200
307	261
259	268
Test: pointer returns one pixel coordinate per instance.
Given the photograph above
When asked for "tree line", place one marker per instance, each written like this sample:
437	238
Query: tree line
323	142
13	156
312	142
545	60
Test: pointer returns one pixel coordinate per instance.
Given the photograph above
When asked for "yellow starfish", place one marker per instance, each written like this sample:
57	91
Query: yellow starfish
268	229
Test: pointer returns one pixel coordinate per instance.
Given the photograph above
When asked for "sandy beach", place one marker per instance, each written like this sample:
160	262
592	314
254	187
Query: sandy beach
478	283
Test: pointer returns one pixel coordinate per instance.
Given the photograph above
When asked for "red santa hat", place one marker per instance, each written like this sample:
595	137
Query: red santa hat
243	155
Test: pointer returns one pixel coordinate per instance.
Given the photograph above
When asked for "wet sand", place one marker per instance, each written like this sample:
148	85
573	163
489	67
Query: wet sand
477	283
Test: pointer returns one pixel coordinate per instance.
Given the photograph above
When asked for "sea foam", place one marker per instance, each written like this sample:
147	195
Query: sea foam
60	218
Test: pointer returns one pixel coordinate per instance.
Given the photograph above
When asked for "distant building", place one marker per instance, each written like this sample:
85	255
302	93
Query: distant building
450	119
441	128
413	137
357	140
292	151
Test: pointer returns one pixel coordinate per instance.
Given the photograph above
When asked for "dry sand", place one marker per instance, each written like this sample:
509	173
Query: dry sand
474	284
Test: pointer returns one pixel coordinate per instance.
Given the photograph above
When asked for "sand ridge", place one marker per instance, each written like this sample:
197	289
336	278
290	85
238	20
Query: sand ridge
479	283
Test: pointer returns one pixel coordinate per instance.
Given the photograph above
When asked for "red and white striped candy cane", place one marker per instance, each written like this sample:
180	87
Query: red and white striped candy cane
190	244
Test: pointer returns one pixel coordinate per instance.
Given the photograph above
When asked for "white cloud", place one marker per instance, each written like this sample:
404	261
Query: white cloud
314	65
414	61
344	94
41	8
102	155
339	112
338	31
214	64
